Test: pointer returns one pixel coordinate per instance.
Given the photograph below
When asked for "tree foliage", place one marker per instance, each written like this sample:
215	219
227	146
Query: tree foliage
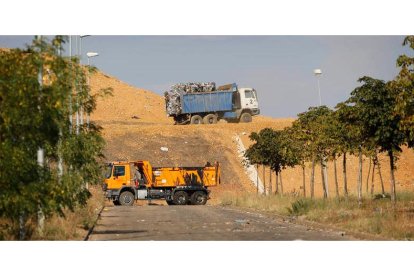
272	148
315	128
34	114
403	85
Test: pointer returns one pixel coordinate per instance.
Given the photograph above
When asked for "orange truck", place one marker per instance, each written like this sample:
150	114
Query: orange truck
127	181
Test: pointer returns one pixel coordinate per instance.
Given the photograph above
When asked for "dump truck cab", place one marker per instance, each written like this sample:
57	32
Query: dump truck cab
248	100
177	185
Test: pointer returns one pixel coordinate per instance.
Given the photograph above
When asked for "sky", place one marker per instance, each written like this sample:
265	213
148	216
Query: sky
279	67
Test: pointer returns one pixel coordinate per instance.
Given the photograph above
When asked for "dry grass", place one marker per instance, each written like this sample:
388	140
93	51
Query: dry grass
74	226
379	218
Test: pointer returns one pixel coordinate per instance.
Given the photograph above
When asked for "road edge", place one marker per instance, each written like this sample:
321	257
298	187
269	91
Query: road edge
94	224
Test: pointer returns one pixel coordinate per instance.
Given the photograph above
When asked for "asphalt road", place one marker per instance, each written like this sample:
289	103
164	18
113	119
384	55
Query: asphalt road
193	223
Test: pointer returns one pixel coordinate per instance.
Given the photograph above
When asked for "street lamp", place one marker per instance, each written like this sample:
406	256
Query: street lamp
89	55
80	47
318	73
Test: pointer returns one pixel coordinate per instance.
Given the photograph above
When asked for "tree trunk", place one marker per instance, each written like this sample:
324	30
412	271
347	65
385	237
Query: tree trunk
369	171
257	178
303	180
60	158
264	179
22	226
393	193
336	178
277	182
380	174
325	176
312	180
344	173
270	181
359	185
325	194
40	221
281	183
372	178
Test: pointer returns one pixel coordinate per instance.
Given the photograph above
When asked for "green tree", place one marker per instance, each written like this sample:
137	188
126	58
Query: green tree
300	146
335	139
374	104
254	153
34	114
273	148
314	125
261	152
403	85
348	135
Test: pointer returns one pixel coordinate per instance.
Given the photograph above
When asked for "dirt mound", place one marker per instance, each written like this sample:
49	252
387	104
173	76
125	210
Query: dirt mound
135	126
128	103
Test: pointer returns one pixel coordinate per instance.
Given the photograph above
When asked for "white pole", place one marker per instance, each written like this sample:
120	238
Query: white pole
80	62
319	90
40	154
60	160
87	115
89	55
318	73
80	50
70	92
77	92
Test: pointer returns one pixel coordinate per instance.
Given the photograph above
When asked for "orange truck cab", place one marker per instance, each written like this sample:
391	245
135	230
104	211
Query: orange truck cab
127	181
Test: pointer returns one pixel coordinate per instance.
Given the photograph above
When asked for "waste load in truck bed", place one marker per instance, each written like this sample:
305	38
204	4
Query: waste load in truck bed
174	95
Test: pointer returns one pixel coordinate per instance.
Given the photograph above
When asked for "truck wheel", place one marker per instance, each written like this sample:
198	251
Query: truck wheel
196	120
210	119
245	118
180	198
126	198
199	198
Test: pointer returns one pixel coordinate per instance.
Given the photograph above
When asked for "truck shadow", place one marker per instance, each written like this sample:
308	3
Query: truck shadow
113	232
154	204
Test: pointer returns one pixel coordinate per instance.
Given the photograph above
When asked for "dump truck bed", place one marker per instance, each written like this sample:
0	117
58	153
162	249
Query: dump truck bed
186	176
207	102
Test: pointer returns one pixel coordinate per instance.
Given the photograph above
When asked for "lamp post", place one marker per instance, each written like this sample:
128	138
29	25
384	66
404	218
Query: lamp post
80	47
89	55
70	92
80	61
318	73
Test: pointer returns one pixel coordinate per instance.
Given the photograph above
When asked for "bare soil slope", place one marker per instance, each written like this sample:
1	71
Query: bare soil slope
135	126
